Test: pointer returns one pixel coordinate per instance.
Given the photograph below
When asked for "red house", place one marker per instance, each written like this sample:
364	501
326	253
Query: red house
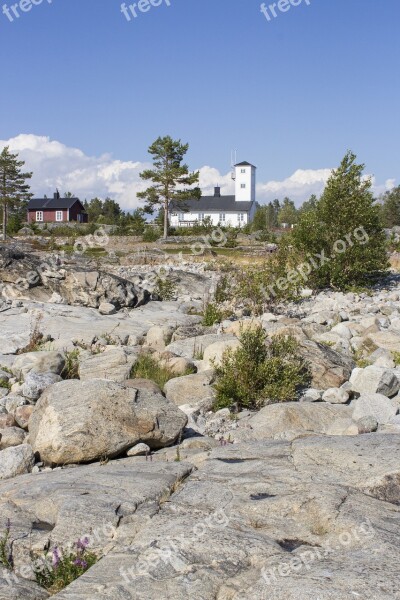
56	210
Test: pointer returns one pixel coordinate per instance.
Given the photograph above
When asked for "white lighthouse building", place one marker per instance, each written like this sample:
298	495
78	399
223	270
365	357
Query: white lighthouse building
234	211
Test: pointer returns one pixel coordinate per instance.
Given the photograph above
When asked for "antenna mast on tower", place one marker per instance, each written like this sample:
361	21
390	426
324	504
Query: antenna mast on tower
233	163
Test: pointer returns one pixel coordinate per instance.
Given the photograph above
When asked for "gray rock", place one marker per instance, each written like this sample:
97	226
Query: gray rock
374	405
106	308
367	424
290	420
13	401
328	367
195	347
139	450
11	436
114	364
241	525
336	396
35	384
16	461
311	395
194	390
79	421
38	362
375	380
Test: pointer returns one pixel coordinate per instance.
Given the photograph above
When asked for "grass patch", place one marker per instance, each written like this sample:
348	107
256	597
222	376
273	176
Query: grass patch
148	368
71	369
36	338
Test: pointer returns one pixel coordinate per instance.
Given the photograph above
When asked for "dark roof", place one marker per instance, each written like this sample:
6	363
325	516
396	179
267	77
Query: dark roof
245	164
212	203
52	203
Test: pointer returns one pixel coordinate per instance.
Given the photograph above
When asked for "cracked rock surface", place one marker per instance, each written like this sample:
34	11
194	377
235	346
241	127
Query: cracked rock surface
313	518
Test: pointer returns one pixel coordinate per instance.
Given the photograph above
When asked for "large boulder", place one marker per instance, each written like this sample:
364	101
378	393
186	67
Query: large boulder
193	389
374	405
16	460
214	353
195	347
375	380
114	364
383	339
81	421
328	367
290	420
38	362
159	337
11	436
36	383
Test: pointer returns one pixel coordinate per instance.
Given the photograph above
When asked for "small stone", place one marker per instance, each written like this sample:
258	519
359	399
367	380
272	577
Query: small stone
367	424
336	396
106	308
311	395
138	450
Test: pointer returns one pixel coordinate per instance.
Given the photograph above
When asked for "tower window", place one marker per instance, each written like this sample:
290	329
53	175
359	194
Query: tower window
243	186
243	170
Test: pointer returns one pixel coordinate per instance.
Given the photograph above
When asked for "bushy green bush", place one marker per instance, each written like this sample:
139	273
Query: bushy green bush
151	234
260	372
212	314
165	288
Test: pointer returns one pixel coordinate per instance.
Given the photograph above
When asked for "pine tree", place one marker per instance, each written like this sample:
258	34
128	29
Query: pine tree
170	178
346	227
14	188
391	208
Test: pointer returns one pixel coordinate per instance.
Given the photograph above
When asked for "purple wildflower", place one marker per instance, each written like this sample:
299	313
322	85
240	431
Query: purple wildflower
82	544
56	558
80	563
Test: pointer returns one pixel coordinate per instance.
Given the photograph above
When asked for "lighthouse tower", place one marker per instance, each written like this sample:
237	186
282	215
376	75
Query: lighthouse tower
245	182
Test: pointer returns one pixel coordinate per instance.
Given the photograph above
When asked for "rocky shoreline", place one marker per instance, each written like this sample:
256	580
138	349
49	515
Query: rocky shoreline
296	500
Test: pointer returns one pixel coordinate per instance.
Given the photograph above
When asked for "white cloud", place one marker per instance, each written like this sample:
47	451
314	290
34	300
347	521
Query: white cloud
56	165
298	186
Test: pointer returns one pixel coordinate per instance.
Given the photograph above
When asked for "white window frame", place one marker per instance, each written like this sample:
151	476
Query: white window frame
181	217
240	217
222	217
39	216
201	217
243	186
59	216
243	170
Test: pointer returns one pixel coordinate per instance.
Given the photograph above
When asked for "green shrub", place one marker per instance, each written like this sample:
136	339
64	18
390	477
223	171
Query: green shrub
260	372
165	289
151	234
212	314
148	368
396	358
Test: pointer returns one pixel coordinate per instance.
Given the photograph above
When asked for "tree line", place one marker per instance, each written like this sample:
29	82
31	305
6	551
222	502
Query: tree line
171	181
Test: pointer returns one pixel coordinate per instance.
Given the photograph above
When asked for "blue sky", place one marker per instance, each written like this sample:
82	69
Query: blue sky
291	94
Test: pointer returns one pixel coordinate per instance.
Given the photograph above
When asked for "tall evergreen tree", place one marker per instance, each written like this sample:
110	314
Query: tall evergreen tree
346	227
391	208
14	188
169	176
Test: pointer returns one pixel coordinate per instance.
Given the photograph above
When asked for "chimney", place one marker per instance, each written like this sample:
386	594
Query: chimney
57	195
217	192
